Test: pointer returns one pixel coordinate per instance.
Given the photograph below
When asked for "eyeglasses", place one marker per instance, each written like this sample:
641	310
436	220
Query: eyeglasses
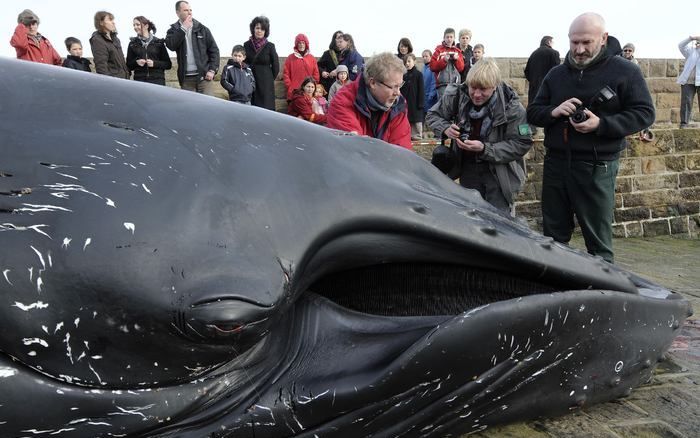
627	50
394	88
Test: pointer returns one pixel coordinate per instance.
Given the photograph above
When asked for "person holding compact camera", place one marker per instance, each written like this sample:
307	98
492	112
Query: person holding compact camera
587	106
489	132
447	62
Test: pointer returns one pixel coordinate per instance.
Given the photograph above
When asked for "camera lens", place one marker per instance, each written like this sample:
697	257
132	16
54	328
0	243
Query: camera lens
579	116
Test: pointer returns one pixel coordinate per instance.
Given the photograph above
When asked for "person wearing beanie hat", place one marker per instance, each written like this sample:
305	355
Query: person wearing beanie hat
300	64
341	75
29	44
628	53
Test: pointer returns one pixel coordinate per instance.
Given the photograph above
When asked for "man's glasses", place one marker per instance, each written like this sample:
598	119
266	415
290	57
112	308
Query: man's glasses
627	50
394	88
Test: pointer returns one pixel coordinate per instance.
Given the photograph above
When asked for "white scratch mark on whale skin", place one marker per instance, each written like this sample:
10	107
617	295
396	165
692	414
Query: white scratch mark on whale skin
68	176
38	208
66	242
69	351
5	274
30	341
123	144
111	203
28	307
41	257
130	226
148	133
87	242
6	372
146	189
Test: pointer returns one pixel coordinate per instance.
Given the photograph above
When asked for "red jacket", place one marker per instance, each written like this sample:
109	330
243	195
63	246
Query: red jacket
349	112
301	106
439	64
298	67
29	50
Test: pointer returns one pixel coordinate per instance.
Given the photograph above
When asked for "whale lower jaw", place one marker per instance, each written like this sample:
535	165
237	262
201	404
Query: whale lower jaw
540	355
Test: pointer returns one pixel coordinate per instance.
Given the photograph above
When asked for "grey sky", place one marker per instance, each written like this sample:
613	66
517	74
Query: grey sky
506	28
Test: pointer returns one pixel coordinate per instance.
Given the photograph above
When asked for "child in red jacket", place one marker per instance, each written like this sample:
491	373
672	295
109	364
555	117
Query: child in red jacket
447	62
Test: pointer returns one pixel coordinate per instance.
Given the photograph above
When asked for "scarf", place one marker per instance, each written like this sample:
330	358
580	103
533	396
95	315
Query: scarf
334	57
258	44
484	114
146	41
373	104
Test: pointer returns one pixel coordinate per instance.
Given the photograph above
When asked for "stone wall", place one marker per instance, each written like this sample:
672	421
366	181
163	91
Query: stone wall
658	186
660	75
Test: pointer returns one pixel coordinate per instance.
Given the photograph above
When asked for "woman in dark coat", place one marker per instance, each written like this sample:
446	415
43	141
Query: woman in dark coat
329	61
262	58
147	56
107	51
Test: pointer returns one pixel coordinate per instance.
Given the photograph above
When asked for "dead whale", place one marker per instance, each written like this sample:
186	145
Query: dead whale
177	265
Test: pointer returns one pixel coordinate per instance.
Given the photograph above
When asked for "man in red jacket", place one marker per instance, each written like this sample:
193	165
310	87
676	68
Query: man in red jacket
29	44
372	105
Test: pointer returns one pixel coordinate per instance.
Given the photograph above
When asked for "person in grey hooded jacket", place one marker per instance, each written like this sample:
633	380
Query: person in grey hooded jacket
489	132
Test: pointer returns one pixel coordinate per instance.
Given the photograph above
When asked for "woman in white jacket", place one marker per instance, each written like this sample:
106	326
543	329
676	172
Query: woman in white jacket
689	79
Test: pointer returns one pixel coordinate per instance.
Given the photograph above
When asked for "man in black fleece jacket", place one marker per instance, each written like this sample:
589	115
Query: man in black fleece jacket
581	162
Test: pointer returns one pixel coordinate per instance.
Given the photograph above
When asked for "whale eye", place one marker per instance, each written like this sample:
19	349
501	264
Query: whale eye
227	329
225	320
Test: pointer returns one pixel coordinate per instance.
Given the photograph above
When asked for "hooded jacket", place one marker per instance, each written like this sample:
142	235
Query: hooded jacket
206	52
238	80
29	49
77	63
299	66
349	111
629	111
447	70
508	140
156	51
108	56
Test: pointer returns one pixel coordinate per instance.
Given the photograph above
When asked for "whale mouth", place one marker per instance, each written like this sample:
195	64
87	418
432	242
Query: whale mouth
412	289
429	273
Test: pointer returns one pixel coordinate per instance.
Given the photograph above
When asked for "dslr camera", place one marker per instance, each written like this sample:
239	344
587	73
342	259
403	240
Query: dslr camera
603	95
464	131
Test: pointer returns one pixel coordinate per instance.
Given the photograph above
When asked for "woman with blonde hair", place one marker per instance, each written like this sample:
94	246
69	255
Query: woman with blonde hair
489	131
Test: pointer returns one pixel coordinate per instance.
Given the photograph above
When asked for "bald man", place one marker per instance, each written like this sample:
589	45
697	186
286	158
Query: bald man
582	150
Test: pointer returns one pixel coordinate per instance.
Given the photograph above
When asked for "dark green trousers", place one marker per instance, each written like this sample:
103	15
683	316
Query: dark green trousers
585	189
